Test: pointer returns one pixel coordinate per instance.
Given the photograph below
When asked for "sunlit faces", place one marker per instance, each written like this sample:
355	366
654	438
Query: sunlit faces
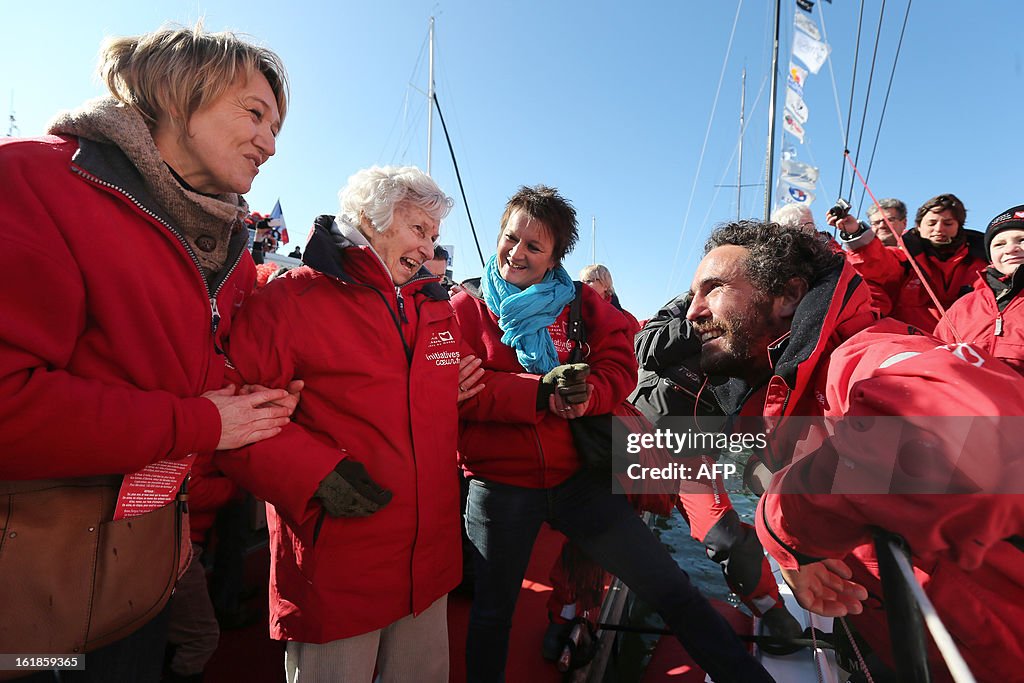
735	322
1007	251
881	228
525	250
407	244
938	227
227	140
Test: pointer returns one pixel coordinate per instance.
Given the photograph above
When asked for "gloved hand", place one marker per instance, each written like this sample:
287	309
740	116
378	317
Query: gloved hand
348	491
570	381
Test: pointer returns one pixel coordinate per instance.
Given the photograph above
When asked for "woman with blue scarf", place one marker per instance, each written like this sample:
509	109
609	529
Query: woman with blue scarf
516	444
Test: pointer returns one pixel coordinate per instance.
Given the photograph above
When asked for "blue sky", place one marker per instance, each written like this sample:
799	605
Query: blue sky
610	102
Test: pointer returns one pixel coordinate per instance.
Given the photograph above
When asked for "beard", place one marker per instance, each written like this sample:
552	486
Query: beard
742	342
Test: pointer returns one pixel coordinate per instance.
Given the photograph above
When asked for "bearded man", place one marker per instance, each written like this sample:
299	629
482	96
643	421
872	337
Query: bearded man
840	395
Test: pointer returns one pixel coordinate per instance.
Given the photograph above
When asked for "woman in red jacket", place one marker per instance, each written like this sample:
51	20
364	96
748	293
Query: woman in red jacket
992	316
516	443
363	496
125	263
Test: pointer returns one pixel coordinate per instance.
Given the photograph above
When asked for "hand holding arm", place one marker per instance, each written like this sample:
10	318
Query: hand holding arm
251	418
470	373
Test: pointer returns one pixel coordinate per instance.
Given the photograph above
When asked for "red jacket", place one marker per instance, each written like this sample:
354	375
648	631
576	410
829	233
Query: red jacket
106	335
888	271
378	389
855	371
503	436
976	318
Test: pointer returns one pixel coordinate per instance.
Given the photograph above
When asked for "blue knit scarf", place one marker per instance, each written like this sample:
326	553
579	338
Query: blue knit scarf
524	314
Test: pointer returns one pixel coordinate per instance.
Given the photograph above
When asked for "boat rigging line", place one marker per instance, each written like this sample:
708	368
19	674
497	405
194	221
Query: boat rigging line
853	85
770	160
458	177
885	103
703	149
867	92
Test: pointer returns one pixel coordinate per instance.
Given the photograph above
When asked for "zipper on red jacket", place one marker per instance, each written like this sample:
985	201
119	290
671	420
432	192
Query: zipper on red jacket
999	325
212	296
401	305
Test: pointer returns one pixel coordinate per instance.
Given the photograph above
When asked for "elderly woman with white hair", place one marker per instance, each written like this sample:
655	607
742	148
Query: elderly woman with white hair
364	500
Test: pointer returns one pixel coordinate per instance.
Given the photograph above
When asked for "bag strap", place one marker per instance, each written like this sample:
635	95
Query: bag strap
577	330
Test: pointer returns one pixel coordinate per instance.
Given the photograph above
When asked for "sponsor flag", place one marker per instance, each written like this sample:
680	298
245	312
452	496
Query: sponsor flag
792	126
805	5
811	52
796	78
795	105
791	194
277	221
807	25
798	173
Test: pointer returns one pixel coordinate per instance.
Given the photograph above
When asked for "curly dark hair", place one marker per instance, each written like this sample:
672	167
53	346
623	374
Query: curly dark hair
943	202
546	204
777	253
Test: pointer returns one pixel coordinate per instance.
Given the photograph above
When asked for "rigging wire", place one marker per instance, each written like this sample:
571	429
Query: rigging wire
853	85
867	94
703	149
835	89
885	103
403	110
458	177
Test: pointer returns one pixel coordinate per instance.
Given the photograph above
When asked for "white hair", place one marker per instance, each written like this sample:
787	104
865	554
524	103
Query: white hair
375	192
794	216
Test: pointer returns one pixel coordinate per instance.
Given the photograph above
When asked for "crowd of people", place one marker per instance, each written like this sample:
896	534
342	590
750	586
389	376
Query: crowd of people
354	394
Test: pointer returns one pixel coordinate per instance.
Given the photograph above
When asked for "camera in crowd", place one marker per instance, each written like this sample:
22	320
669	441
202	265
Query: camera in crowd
841	210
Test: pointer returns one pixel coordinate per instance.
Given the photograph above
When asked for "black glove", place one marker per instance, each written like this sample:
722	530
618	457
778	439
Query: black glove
348	491
570	381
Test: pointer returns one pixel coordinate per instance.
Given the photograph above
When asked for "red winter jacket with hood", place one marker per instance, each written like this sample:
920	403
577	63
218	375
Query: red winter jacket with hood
838	364
503	436
380	366
107	320
898	290
991	317
107	341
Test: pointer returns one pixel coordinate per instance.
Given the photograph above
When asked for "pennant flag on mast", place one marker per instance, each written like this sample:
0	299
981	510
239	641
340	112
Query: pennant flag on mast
805	5
792	126
277	221
799	174
796	78
807	25
795	106
811	52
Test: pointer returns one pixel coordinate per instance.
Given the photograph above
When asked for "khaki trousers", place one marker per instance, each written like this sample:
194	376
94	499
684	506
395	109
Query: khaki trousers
410	650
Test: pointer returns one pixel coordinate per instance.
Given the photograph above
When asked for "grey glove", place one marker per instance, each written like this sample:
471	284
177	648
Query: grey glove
348	491
570	381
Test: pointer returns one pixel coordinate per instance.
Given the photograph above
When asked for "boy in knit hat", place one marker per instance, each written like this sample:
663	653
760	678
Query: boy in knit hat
992	316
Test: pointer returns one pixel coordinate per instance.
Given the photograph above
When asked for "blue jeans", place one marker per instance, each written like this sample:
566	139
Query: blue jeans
503	521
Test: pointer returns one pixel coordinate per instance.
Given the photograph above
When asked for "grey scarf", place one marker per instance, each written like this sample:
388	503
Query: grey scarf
205	222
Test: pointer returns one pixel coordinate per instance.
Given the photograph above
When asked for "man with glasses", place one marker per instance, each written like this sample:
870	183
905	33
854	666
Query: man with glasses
895	212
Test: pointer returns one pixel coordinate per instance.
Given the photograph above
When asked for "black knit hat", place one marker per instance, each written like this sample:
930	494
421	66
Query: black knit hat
1007	220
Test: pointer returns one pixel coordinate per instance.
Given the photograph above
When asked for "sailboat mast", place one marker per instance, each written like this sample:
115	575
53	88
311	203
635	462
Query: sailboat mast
771	119
593	239
739	163
430	99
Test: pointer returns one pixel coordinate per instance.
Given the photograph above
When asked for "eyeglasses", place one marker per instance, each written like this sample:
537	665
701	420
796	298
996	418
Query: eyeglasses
881	221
